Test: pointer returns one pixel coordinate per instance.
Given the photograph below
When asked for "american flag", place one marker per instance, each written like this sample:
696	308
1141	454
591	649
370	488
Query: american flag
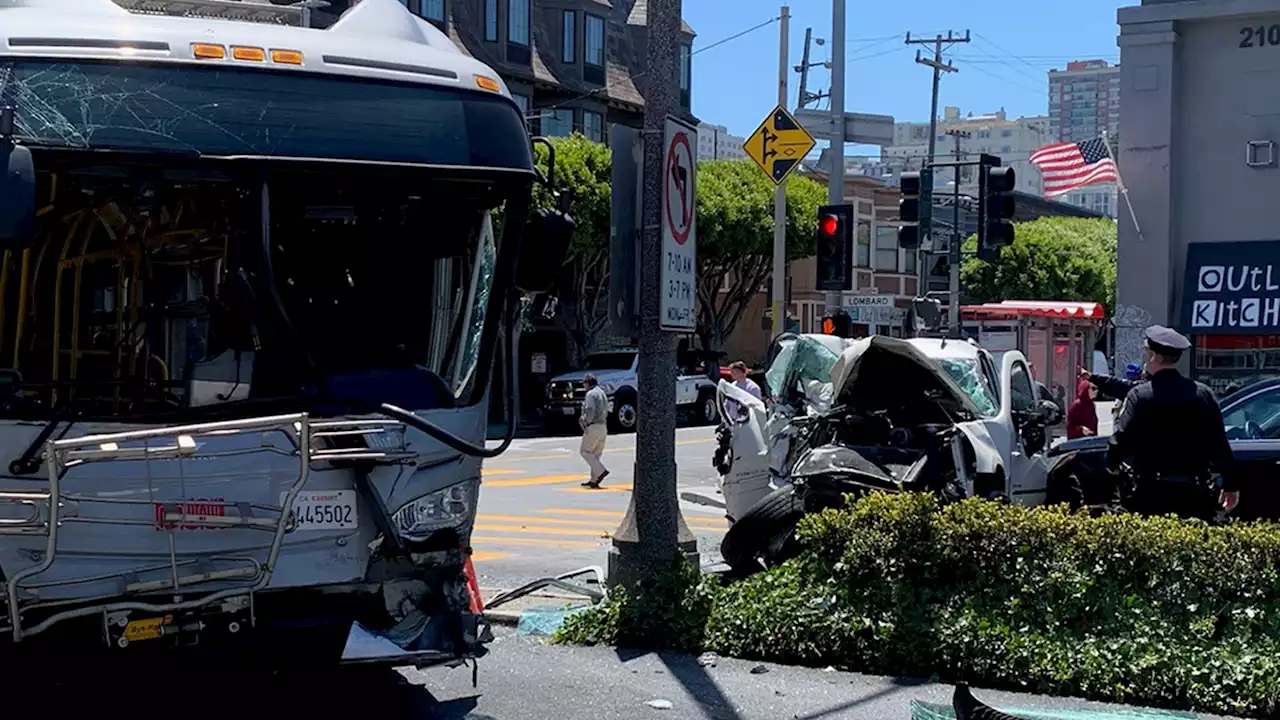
1067	166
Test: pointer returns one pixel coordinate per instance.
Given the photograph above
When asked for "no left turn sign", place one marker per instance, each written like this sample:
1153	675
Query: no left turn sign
679	194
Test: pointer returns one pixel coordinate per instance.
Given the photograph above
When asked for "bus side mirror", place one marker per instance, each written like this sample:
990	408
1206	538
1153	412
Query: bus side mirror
547	237
17	196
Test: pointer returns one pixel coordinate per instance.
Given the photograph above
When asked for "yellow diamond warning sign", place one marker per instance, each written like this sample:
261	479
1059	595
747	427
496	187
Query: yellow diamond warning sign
778	145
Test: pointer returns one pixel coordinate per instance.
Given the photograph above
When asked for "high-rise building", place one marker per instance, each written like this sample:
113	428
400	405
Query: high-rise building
715	143
1084	103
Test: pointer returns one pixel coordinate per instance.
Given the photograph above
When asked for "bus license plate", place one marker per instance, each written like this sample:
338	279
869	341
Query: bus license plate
324	509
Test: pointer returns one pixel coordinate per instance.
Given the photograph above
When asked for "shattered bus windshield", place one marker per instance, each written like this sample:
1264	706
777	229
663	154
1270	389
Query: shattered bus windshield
198	266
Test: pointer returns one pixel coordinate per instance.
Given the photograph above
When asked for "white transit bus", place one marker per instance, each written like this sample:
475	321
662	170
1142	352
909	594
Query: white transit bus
250	297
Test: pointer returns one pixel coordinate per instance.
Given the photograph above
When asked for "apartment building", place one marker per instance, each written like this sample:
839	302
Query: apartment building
1084	103
715	142
1012	141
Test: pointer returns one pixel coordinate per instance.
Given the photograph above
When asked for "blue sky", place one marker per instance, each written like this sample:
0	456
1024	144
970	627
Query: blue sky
1013	45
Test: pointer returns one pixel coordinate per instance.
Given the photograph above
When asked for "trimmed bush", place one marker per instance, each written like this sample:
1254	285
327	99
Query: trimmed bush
1158	612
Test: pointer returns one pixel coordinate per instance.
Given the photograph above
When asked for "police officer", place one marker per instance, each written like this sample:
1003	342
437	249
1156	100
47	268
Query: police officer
1171	427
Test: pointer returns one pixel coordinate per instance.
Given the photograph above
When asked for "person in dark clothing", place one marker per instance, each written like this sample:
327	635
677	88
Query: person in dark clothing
1171	430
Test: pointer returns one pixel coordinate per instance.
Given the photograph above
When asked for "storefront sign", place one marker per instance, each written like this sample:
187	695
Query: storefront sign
1232	288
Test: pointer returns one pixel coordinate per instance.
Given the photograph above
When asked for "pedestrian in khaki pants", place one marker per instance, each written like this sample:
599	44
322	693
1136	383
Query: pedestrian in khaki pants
595	430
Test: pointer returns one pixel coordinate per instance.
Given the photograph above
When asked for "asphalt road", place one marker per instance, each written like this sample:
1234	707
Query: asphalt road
523	678
536	520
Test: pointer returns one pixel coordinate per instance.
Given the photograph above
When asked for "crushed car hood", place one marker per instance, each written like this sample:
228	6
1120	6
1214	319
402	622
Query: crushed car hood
879	367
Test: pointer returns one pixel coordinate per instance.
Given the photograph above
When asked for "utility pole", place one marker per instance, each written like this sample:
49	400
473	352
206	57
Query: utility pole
653	534
835	179
807	97
939	67
779	299
953	248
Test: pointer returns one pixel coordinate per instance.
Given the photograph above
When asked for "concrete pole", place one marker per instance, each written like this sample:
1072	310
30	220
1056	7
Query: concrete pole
779	300
835	181
653	533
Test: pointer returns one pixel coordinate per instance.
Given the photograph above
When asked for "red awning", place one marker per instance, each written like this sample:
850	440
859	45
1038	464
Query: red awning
1038	308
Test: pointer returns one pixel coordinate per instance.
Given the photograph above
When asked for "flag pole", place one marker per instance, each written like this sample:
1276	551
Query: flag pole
1124	191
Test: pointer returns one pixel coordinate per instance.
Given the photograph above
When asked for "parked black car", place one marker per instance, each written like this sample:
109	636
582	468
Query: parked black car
1252	418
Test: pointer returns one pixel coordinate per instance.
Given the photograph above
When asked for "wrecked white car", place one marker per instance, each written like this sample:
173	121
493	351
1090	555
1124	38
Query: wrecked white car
924	414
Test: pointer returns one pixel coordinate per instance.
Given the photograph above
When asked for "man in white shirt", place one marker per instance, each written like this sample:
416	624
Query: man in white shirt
595	429
738	371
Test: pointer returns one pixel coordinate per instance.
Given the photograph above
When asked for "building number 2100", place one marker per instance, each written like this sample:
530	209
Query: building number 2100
1260	36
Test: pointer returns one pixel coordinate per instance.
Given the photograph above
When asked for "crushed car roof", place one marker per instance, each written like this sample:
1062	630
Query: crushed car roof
880	365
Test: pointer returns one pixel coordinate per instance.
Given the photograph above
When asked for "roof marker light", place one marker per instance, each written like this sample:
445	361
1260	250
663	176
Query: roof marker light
487	83
286	57
251	54
205	51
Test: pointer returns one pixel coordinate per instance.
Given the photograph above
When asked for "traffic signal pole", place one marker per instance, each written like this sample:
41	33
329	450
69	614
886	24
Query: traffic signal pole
835	179
779	299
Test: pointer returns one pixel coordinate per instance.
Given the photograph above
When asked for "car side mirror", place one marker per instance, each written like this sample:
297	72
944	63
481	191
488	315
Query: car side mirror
17	189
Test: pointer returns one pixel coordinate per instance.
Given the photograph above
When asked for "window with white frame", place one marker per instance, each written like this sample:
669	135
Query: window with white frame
569	39
593	126
593	40
886	257
810	316
518	22
863	242
557	123
910	261
491	20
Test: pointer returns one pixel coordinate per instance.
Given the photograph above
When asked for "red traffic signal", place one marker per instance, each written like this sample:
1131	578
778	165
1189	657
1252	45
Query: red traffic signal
829	225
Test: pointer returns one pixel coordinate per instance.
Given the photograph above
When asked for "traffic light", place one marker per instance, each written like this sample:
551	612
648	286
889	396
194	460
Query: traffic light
915	208
835	247
837	323
996	207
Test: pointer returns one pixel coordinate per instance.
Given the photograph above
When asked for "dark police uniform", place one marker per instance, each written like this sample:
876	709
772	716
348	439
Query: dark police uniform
1171	428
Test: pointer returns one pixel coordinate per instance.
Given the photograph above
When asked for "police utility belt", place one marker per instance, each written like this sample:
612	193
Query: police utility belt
1167	478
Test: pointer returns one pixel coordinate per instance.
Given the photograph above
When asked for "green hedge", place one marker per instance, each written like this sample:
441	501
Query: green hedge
1155	612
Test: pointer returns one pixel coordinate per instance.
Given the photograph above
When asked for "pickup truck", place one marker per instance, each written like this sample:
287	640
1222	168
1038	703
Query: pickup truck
615	369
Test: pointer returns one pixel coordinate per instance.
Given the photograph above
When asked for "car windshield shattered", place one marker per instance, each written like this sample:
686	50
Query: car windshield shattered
799	362
968	375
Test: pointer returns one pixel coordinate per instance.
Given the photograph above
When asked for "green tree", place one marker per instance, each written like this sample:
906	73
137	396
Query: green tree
735	239
1053	258
583	175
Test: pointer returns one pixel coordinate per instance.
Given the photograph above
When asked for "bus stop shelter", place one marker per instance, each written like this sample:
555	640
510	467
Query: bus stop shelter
1057	337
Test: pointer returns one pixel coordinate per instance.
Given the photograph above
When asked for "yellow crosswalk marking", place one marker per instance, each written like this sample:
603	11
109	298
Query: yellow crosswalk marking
625	448
603	488
536	480
493	540
483	555
579	511
544	530
500	471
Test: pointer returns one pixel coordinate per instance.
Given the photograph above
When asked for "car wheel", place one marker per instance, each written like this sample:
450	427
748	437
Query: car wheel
625	414
709	414
765	535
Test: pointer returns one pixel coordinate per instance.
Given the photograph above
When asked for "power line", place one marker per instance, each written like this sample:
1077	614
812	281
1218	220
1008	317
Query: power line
608	86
